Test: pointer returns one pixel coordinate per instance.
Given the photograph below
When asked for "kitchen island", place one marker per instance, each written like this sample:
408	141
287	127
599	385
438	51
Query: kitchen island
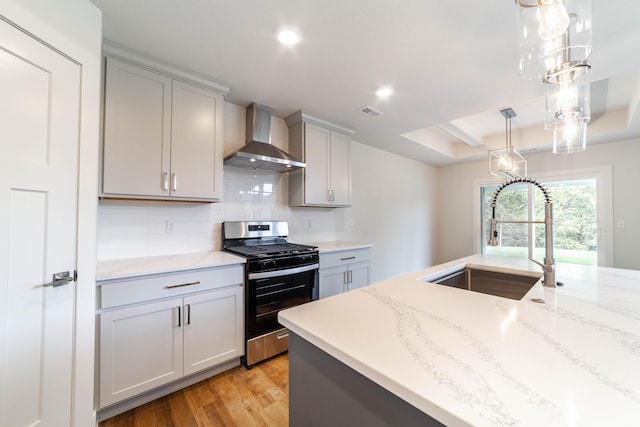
411	351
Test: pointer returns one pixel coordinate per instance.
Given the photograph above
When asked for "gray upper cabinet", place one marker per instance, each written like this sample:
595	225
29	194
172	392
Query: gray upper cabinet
326	149
162	137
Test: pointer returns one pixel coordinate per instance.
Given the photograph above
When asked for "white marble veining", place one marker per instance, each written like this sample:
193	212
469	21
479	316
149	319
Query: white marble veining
338	245
132	267
467	358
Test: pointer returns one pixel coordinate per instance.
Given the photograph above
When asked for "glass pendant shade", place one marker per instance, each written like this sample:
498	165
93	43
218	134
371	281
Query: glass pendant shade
567	102
507	163
554	38
570	136
554	19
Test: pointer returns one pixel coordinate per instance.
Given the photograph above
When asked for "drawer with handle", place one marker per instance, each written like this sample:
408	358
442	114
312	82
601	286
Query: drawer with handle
119	292
352	256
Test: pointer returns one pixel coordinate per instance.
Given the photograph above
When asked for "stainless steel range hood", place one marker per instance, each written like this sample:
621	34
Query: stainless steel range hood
259	153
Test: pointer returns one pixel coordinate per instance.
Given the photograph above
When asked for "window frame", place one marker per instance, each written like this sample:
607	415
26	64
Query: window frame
604	206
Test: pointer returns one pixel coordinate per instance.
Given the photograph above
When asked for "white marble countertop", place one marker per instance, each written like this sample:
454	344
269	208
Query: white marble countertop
467	358
132	267
338	245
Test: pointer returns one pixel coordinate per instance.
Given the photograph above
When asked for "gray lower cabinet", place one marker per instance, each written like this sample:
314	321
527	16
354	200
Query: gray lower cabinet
159	329
340	396
343	271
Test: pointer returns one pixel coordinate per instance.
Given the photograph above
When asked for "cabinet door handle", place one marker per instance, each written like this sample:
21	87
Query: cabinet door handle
188	309
179	317
329	195
344	282
347	258
165	181
333	195
174	182
181	285
350	276
59	279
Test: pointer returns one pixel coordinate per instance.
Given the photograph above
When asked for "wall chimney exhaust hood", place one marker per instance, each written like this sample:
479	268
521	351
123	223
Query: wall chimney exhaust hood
259	153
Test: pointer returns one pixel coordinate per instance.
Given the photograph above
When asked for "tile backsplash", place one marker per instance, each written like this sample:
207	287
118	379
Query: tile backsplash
128	229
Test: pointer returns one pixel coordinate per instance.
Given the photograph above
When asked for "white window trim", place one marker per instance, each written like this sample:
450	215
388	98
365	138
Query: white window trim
604	194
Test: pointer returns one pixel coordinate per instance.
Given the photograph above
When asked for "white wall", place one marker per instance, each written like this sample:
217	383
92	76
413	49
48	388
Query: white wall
393	208
455	213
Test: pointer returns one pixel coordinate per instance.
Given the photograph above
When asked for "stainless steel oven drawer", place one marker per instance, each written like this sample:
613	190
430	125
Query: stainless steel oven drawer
267	345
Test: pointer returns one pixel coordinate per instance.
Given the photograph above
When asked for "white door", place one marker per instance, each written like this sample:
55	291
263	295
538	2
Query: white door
340	165
331	281
195	142
140	349
317	150
212	328
39	142
359	276
137	131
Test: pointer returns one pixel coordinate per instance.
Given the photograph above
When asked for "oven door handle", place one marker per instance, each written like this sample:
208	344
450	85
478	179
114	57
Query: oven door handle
279	273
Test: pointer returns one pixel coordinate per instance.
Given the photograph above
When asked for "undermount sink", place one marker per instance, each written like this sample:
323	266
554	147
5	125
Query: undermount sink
507	285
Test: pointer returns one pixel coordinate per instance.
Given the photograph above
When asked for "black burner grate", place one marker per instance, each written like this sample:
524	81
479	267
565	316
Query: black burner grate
270	249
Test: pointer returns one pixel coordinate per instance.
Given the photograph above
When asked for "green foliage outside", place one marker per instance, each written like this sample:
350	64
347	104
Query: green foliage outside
574	221
560	255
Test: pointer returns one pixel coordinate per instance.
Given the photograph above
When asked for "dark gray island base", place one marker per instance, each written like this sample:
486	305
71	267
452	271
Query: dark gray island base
325	392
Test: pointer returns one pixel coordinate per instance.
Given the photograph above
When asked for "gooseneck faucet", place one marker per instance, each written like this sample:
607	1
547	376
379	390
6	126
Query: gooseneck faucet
549	265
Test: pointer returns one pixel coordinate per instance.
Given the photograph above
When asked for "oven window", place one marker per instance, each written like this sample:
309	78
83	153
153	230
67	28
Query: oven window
266	297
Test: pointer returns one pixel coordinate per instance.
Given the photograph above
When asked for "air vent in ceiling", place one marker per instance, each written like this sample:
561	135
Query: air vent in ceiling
370	111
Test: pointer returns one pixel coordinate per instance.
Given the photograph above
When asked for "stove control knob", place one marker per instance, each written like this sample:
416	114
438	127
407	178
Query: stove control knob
305	258
267	263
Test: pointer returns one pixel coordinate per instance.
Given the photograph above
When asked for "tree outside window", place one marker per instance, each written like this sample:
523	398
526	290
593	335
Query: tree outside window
574	221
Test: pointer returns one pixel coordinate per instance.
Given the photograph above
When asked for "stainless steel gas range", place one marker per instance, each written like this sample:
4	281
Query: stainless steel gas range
278	275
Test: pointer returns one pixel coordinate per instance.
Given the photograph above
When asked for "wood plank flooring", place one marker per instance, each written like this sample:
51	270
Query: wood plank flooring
238	397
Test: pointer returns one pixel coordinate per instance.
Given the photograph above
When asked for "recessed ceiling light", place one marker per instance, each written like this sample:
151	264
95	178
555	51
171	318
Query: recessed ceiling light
288	35
384	92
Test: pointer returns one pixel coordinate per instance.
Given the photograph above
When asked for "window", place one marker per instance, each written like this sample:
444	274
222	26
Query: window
581	218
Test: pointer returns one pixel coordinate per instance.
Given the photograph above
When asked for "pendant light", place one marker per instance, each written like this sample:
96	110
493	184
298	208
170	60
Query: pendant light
507	162
554	38
568	110
555	46
570	136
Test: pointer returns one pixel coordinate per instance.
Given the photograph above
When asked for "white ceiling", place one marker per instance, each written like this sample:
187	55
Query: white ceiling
452	65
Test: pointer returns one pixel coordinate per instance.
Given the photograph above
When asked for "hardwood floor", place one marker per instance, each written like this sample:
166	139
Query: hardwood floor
238	397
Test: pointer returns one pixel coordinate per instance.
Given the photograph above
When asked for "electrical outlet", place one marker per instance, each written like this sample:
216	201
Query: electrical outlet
620	223
171	226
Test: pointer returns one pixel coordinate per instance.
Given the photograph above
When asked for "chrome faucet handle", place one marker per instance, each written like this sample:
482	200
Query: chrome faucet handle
549	273
545	267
